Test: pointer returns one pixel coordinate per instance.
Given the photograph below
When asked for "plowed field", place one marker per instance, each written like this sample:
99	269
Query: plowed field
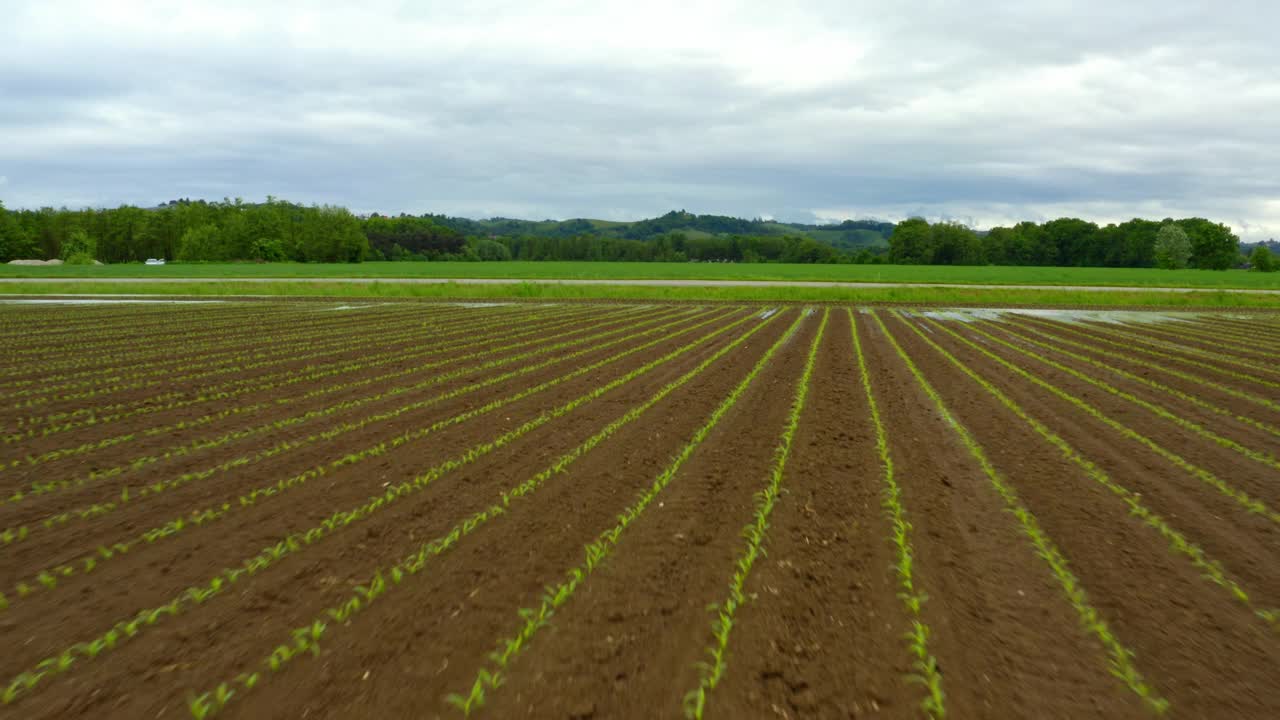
306	509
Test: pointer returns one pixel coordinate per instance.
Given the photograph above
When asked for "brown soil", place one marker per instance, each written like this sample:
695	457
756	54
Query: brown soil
821	634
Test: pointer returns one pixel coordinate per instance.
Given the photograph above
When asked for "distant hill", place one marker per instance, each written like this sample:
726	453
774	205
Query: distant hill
1272	245
848	235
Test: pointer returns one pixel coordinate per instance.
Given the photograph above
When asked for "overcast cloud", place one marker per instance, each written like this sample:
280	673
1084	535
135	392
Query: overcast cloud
984	111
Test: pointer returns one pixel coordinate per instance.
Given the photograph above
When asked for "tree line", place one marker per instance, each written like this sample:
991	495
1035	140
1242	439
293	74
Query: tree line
232	230
192	230
1189	242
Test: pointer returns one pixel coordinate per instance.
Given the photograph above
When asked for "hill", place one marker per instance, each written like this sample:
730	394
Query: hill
848	235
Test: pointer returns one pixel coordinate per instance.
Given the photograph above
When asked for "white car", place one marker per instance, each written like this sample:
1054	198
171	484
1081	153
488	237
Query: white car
154	261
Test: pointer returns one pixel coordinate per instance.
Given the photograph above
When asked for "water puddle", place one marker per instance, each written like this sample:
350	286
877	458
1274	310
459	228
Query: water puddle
1117	317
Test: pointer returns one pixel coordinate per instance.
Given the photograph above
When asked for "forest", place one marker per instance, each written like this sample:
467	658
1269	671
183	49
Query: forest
276	230
1069	242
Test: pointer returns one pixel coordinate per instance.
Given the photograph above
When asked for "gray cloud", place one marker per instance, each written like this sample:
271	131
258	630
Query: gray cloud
987	111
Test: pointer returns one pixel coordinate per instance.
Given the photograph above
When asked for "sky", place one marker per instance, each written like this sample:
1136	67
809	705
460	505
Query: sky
984	112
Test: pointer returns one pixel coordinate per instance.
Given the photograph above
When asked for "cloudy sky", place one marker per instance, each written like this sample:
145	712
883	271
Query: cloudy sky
984	111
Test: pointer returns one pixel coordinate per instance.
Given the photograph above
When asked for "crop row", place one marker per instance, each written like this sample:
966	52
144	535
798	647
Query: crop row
1044	331
458	337
19	321
711	671
1208	568
1178	353
83	348
1042	342
1243	499
1120	658
913	599
200	517
94	415
1181	334
1150	336
1256	455
306	640
150	361
243	411
296	542
50	329
44	487
1223	328
338	347
489	678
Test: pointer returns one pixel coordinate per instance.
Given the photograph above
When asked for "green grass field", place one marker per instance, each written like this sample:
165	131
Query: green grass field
899	295
1140	277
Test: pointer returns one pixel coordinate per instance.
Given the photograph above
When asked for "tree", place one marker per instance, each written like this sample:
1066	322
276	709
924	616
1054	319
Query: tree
487	249
1213	245
1069	241
79	248
15	244
955	244
1262	260
910	243
1172	248
202	243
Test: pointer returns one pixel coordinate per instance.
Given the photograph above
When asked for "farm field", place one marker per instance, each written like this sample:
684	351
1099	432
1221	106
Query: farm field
577	270
328	509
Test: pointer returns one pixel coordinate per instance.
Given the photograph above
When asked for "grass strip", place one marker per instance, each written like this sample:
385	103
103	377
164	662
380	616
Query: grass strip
898	295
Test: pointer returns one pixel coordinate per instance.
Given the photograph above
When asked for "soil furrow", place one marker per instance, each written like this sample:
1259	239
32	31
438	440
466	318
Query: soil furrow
1204	654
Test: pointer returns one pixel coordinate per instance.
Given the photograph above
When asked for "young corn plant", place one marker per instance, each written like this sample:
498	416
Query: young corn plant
46	486
295	543
711	672
205	516
487	679
1217	357
1147	364
1243	499
1128	342
126	495
1210	569
462	337
1119	658
924	664
1255	455
604	544
1134	377
1221	342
